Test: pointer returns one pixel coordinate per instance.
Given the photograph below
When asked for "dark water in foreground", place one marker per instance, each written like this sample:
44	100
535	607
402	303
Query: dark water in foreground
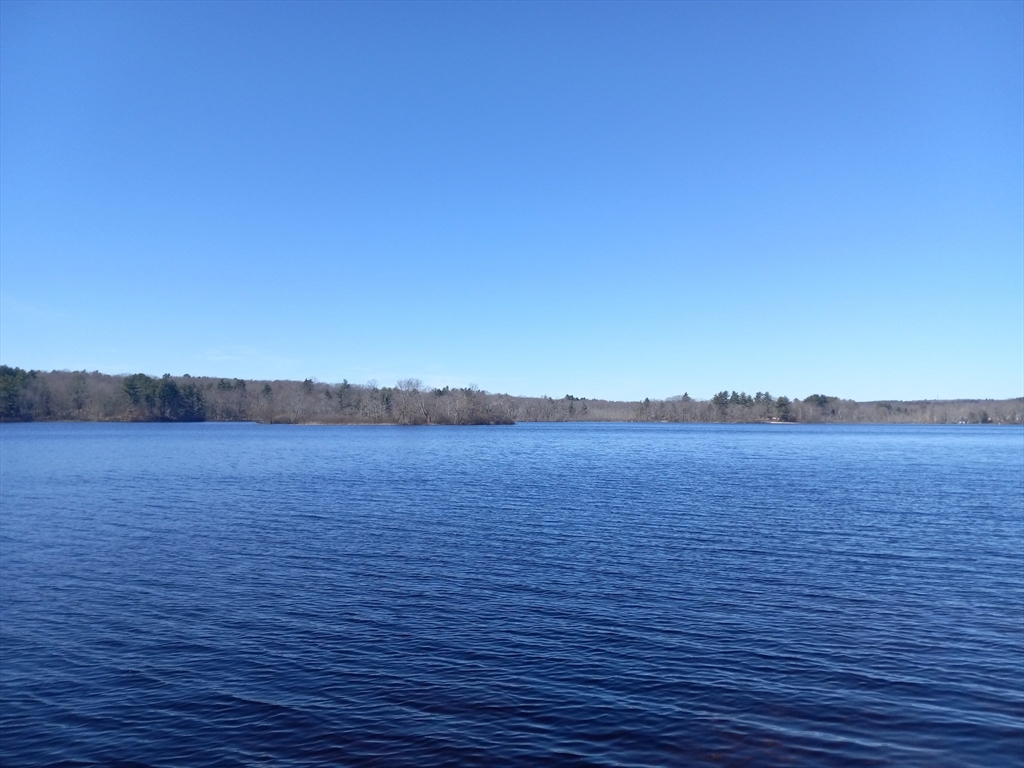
213	594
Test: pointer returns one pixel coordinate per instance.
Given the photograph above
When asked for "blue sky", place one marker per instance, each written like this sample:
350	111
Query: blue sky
617	200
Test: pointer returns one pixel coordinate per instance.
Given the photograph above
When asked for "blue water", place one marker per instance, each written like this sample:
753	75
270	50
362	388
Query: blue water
237	595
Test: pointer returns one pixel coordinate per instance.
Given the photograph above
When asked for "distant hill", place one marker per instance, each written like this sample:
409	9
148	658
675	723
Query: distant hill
82	396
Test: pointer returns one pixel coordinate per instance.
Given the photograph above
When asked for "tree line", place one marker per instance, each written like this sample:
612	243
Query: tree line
83	396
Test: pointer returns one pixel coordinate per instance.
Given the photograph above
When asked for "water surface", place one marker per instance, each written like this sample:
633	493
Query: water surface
622	594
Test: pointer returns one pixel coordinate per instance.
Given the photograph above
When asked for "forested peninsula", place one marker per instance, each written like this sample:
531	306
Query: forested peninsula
82	396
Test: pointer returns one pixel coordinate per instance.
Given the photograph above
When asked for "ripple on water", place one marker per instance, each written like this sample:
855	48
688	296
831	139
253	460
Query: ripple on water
545	594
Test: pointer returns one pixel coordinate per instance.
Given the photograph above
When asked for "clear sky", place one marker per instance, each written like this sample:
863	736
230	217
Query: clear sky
618	200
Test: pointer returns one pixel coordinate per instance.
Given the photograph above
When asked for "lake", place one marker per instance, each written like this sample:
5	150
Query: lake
541	594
